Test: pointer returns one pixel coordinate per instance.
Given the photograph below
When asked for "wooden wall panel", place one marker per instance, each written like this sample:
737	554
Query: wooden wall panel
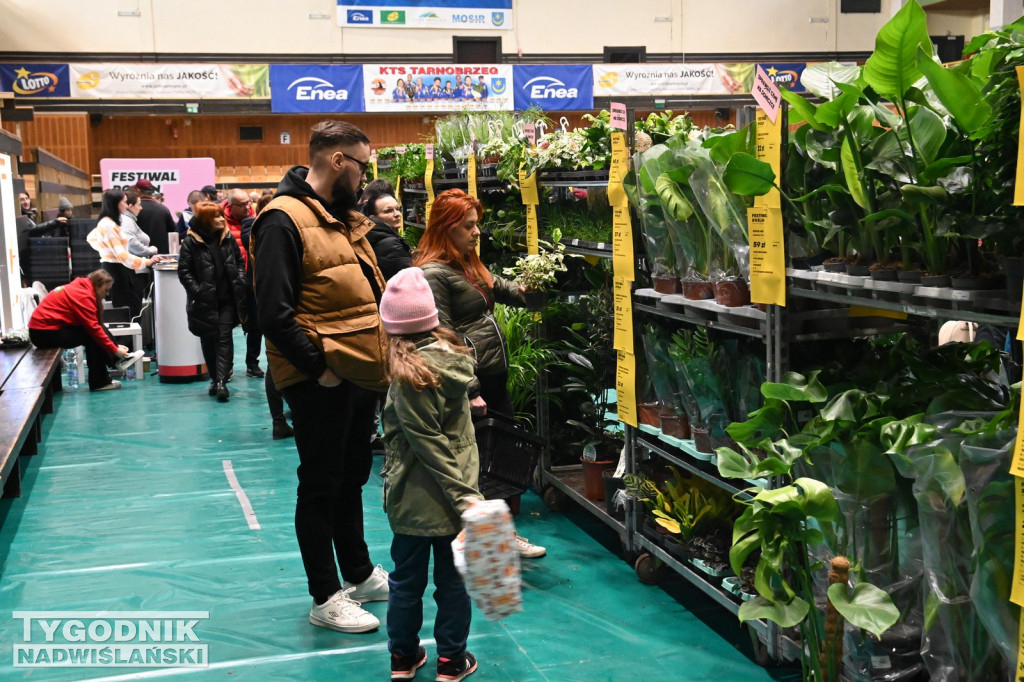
66	136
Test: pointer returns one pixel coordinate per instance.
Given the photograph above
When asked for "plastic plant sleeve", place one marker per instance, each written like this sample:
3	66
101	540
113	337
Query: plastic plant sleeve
662	371
727	213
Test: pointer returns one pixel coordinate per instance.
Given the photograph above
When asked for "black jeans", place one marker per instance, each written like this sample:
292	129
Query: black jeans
408	582
274	401
333	441
219	346
253	335
96	357
123	293
494	391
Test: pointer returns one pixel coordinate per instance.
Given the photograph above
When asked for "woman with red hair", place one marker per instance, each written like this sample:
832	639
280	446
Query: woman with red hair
211	269
465	294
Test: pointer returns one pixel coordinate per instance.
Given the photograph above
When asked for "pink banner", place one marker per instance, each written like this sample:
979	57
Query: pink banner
174	178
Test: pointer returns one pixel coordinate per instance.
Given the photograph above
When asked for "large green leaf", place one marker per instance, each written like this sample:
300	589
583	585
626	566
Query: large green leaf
958	93
866	607
672	197
796	386
748	176
732	464
929	133
892	68
786	615
854	176
833	112
802	107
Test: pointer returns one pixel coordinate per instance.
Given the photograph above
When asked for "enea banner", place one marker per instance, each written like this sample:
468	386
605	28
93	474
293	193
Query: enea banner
35	80
437	87
175	178
638	80
446	14
170	81
316	88
553	87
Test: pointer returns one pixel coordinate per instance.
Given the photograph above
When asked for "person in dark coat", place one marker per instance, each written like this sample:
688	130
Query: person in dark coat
155	219
210	268
380	205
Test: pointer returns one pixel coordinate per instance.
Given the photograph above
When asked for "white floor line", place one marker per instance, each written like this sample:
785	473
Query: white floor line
243	499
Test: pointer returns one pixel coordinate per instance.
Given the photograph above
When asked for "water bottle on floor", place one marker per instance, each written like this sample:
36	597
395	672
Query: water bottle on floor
71	367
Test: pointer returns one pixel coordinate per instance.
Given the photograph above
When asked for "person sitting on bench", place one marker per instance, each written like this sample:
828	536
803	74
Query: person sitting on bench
71	316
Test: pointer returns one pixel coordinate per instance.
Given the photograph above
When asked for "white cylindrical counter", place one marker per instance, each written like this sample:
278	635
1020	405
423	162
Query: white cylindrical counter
179	354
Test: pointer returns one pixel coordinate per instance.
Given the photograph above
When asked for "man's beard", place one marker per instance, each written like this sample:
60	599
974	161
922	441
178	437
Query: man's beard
344	199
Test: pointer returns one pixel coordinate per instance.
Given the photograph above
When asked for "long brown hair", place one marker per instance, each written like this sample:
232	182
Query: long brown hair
448	211
99	278
406	366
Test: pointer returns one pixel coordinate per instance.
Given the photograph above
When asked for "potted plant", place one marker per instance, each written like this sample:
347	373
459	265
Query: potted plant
537	272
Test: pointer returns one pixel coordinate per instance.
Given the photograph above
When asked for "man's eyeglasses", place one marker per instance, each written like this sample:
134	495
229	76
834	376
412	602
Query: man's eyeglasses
362	165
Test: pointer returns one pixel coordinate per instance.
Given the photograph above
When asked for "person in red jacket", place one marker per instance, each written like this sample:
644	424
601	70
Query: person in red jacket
70	316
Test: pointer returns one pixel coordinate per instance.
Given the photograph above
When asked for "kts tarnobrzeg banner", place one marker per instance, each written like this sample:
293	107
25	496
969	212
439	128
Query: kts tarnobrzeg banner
437	87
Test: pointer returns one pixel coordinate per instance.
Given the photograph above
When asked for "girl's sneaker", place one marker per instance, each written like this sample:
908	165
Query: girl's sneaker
405	667
452	670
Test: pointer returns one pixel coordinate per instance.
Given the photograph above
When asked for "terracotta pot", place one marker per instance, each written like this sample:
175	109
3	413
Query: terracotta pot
593	484
698	290
667	285
732	292
675	426
649	413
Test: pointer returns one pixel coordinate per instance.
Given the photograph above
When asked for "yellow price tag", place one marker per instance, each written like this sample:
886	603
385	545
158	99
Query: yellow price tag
769	149
471	176
528	187
767	256
376	173
625	387
617	170
1017	462
622	300
1017	585
426	214
622	243
1018	187
428	179
532	232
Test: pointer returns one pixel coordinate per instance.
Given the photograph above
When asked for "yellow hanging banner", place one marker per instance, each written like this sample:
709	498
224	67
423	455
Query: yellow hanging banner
471	175
528	188
428	174
625	387
1017	462
1018	187
767	256
373	163
622	300
1020	647
617	170
1017	585
1020	326
532	233
769	150
622	243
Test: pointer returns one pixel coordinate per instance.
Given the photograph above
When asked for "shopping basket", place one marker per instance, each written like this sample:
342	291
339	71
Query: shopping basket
508	456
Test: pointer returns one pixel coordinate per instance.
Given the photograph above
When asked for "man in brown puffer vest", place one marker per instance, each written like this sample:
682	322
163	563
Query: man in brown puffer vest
317	288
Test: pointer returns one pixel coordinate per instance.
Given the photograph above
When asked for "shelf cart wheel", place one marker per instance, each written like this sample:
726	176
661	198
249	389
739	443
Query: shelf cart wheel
648	569
761	656
554	499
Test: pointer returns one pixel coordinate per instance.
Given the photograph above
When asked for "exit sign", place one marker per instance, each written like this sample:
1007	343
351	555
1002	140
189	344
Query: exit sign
192	108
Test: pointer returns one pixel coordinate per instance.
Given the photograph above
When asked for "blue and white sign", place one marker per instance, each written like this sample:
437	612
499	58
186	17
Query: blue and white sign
553	88
785	76
35	80
315	88
444	14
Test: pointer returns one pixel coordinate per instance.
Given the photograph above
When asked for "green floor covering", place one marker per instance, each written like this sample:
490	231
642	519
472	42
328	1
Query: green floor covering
127	507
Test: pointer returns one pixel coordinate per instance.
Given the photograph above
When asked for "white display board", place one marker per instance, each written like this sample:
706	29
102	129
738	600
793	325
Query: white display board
10	268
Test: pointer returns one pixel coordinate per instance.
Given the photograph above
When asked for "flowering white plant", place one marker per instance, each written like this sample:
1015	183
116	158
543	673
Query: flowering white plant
538	271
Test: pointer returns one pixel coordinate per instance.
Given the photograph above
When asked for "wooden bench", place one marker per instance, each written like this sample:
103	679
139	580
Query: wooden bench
29	378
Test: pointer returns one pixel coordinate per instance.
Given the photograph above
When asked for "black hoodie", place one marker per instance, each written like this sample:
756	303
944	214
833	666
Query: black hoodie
277	275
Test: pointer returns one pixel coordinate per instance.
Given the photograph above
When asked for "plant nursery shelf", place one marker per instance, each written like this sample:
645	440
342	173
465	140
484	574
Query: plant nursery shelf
573	183
688	458
569	480
939	308
585	248
725	322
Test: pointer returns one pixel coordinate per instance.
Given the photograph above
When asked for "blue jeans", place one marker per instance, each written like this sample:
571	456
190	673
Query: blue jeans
408	582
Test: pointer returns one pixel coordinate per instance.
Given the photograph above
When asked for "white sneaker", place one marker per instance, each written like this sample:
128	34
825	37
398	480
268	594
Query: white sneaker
343	614
129	360
374	588
528	550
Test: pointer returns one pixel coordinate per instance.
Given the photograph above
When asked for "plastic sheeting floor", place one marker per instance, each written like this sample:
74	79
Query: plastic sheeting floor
128	507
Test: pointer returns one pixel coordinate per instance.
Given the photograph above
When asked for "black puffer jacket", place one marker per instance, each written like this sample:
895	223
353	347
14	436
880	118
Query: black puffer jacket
197	271
392	251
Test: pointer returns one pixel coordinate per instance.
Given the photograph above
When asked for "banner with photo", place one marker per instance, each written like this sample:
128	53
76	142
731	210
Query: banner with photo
639	80
170	81
316	88
35	80
419	88
553	87
446	14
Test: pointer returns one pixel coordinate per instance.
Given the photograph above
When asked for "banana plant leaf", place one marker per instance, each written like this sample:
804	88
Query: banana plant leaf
958	93
892	68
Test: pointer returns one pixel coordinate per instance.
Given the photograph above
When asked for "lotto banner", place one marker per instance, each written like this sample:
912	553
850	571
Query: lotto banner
315	88
445	14
35	80
554	87
437	87
170	81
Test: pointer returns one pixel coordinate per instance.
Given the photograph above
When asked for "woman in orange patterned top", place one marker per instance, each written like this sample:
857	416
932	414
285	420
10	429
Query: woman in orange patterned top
112	245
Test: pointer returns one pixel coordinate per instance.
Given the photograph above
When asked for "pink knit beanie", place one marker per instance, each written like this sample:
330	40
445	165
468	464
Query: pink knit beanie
407	306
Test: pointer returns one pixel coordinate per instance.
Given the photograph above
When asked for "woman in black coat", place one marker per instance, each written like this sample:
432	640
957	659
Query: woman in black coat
211	269
390	248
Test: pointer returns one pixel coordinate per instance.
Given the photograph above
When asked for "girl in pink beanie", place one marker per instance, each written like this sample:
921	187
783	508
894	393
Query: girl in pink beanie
430	475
